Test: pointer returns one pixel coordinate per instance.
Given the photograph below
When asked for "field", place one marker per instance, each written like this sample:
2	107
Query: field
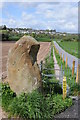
71	47
43	51
44	39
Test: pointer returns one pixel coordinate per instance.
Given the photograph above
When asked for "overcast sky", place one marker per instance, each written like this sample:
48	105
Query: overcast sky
62	16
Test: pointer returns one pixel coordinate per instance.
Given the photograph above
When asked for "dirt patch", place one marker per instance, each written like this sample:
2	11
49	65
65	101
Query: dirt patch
43	51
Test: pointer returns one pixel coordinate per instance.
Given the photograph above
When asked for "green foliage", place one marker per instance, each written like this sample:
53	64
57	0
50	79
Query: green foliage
60	104
7	96
50	84
75	89
14	38
33	105
49	63
67	37
43	39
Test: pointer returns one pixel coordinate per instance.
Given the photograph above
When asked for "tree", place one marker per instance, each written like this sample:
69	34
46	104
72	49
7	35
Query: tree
4	27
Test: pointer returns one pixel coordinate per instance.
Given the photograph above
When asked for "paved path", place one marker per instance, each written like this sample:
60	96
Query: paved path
58	72
56	66
70	57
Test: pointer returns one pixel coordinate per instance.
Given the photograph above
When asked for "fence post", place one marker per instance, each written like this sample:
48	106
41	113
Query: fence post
66	62
78	75
57	51
64	87
60	56
63	58
50	54
41	65
73	68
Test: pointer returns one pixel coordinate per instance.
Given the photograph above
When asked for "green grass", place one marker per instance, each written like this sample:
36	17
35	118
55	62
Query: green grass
43	39
3	31
71	47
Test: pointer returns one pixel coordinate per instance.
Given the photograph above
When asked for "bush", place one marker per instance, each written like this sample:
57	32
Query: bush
14	38
75	89
52	86
7	96
33	105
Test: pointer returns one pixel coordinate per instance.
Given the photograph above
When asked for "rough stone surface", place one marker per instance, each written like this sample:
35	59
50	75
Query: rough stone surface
22	68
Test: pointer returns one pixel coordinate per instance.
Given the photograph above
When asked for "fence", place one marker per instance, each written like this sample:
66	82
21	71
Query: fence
55	83
75	68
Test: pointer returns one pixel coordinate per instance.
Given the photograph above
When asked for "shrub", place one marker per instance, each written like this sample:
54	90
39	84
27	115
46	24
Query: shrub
75	89
14	38
7	96
33	105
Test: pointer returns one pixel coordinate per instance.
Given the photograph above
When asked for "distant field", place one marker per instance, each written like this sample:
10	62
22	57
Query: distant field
44	39
71	47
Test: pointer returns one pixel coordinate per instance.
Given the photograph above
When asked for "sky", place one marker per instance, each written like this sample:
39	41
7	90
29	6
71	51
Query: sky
62	16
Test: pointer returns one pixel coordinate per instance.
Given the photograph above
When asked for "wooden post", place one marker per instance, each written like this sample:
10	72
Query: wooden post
73	68
60	56
63	58
78	74
41	66
57	51
66	62
64	87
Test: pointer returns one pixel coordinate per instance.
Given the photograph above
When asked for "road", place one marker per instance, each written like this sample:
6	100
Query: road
70	57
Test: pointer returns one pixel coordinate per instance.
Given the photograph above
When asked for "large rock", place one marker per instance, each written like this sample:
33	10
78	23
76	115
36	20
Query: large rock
23	71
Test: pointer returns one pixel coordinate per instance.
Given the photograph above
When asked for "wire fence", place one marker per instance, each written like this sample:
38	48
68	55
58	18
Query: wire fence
51	79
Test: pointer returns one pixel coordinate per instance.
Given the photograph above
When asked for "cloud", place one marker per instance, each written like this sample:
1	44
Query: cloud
27	17
1	5
39	0
59	15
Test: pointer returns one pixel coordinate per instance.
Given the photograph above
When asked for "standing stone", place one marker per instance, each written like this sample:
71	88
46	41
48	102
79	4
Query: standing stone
22	68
